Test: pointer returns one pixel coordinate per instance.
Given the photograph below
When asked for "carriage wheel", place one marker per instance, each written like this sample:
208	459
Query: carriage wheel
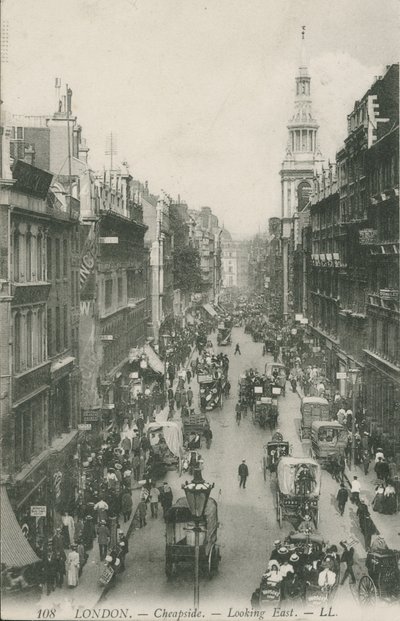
280	516
278	510
366	591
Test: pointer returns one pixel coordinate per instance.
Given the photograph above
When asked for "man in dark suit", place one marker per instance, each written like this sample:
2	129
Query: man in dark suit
348	558
243	472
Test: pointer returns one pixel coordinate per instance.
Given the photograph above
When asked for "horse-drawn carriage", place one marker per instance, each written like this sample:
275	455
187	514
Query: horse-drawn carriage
312	409
210	390
265	413
383	578
273	451
299	485
224	335
166	448
180	538
244	388
328	440
194	423
304	582
276	373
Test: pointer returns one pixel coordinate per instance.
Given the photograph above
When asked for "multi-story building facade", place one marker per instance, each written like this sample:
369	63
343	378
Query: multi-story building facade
379	236
273	276
235	262
207	239
302	160
159	243
182	226
229	261
39	376
354	280
113	285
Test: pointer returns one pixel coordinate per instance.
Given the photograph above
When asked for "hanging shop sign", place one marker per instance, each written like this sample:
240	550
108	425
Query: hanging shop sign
304	320
298	317
38	510
91	416
108	406
31	180
108	240
341	376
106	337
84	427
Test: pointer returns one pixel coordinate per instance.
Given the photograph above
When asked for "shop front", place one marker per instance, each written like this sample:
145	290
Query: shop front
383	403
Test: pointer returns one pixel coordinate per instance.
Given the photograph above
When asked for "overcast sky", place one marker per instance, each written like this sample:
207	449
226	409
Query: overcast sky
198	93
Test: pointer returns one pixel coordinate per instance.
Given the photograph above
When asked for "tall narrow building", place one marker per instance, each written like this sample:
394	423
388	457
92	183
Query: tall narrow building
302	161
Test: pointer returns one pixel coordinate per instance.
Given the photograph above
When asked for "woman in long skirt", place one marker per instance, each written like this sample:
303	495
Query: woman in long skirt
378	501
73	567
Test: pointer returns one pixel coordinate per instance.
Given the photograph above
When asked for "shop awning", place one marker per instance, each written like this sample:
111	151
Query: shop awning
15	548
154	361
210	310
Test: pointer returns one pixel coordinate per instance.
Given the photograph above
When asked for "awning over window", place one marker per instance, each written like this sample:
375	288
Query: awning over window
154	361
15	548
210	310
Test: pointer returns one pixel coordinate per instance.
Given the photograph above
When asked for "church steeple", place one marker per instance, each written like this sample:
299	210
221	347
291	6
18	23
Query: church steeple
303	128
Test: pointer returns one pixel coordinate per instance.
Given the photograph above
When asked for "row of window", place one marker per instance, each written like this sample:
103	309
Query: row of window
29	339
30	426
116	290
37	258
75	284
29	260
384	338
57	258
57	330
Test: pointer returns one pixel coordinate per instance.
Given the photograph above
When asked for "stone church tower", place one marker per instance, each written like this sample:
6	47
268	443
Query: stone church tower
302	161
303	157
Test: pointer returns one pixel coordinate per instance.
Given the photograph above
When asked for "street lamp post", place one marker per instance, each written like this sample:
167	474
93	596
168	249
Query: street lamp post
354	375
197	493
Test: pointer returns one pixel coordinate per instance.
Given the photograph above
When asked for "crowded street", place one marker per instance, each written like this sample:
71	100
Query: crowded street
248	525
199	310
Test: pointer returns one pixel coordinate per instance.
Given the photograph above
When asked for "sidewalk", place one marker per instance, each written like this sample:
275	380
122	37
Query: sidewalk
89	591
387	525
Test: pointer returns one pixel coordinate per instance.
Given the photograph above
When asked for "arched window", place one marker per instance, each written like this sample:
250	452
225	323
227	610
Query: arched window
17	342
28	257
39	257
29	339
39	336
16	255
